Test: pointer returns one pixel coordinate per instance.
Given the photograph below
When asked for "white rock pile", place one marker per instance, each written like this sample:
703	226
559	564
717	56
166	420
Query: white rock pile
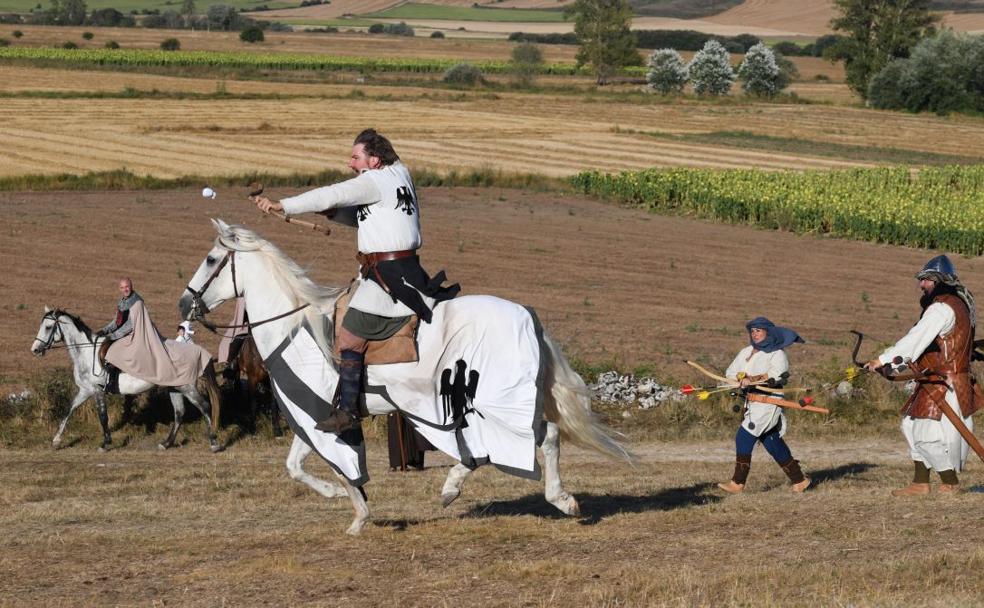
626	389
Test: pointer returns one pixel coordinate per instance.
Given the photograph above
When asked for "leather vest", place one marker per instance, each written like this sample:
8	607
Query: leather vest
949	362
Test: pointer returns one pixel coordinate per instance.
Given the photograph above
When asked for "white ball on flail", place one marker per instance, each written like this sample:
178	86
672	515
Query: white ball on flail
209	193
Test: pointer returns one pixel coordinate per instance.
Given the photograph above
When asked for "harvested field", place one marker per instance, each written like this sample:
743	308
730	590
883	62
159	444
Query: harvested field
557	135
345	45
622	285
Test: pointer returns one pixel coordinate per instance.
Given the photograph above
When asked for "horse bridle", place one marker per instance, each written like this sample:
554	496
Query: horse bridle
200	309
52	315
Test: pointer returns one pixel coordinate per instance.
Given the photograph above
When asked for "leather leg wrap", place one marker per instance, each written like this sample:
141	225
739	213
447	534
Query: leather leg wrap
920	472
793	471
743	465
948	477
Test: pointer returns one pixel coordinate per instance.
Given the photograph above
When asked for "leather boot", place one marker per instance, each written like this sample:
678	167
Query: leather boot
743	464
913	489
949	482
346	414
796	477
920	481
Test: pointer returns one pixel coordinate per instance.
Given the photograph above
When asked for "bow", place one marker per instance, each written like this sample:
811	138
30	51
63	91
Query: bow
761	386
894	372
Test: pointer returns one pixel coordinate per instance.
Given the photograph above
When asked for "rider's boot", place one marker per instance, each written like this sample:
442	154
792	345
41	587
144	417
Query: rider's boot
346	414
796	477
112	379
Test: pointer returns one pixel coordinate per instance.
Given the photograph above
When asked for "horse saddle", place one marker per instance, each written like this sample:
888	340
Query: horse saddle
401	347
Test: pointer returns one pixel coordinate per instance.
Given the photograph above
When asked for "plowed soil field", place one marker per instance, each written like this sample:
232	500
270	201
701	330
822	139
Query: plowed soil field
612	284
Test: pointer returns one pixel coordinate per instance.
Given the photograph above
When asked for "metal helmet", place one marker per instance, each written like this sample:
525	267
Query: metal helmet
939	268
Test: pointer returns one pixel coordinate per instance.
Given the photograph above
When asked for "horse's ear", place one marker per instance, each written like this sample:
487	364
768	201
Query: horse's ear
221	227
46	309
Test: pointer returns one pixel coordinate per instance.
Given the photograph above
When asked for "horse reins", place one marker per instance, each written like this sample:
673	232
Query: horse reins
200	309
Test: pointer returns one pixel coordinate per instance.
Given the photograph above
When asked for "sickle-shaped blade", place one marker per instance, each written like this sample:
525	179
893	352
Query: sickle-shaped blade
255	188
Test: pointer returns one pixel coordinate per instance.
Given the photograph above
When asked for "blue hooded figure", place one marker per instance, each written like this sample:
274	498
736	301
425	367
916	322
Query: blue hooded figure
777	338
759	368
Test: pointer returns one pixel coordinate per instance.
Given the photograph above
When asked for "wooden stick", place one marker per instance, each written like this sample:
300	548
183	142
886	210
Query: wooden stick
256	189
754	398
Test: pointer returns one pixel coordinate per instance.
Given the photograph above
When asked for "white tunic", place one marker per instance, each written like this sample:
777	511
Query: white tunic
760	417
935	443
382	203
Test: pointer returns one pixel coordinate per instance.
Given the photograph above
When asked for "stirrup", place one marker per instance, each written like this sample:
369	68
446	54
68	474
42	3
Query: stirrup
339	421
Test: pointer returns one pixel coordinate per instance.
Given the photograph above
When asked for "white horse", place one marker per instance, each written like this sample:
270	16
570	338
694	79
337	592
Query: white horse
274	287
70	332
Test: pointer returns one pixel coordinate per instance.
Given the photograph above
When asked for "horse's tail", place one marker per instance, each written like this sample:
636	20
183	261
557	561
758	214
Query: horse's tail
569	405
214	395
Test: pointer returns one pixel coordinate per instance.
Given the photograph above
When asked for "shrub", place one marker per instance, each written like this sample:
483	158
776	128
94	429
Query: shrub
109	17
88	35
398	29
710	70
17	33
69	45
376	28
463	74
789	49
277	26
251	34
823	43
171	44
112	44
759	72
437	34
667	71
526	60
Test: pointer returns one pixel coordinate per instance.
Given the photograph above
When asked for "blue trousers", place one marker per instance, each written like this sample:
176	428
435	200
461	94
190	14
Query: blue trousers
774	445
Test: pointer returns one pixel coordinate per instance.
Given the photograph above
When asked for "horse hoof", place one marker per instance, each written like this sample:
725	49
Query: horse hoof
356	528
161	447
447	499
575	509
103	449
216	448
56	444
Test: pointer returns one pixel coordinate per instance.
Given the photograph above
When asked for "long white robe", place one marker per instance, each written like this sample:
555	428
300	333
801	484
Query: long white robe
760	417
936	443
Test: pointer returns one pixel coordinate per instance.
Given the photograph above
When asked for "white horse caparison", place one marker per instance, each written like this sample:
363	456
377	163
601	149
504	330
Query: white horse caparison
64	329
273	284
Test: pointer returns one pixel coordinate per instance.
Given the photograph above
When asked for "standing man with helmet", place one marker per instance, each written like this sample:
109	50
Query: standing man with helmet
382	203
939	347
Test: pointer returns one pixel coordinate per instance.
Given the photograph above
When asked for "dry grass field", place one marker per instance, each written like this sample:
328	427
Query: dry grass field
135	527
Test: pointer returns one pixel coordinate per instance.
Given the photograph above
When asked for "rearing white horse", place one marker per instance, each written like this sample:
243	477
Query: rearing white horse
58	326
520	393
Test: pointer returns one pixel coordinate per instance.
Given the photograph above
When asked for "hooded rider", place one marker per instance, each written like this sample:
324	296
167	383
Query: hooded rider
185	333
382	203
942	344
763	360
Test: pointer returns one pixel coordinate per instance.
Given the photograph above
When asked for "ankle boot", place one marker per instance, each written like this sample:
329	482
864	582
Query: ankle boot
743	464
949	482
346	414
792	470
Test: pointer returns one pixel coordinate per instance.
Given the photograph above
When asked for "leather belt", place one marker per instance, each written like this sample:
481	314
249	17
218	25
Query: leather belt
371	259
370	263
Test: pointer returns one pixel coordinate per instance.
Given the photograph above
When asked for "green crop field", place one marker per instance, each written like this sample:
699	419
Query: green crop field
125	6
412	10
936	208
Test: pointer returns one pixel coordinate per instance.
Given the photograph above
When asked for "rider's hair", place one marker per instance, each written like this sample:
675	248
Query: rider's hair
126	280
376	145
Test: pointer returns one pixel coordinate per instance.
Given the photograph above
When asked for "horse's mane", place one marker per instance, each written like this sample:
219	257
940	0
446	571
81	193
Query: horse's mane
291	277
77	321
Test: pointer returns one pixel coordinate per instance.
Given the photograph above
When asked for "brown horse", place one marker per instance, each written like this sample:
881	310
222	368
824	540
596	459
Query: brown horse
247	360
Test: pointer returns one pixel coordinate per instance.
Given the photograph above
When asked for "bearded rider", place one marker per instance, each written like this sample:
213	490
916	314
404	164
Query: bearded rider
382	203
119	327
941	343
763	360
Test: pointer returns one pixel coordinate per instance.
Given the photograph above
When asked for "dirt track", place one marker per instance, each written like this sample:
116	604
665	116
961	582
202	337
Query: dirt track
611	284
